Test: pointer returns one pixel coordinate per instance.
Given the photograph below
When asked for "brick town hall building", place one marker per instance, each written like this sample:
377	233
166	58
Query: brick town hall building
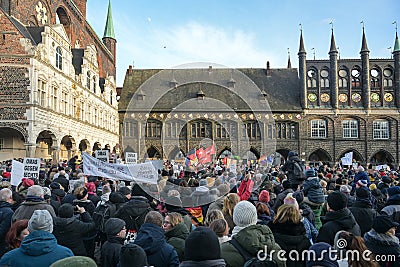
323	109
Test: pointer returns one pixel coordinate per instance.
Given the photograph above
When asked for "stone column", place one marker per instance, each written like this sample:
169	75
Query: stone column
30	150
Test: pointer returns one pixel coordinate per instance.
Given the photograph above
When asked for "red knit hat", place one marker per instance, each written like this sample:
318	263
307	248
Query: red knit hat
264	196
26	182
7	175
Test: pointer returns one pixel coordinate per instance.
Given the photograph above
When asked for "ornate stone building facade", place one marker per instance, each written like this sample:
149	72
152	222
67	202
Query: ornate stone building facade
323	109
57	80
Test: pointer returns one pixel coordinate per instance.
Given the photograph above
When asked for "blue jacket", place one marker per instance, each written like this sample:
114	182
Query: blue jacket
159	253
39	248
6	214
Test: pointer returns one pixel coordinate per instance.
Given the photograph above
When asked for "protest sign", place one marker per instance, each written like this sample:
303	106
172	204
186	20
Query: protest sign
130	158
31	168
143	172
17	172
103	155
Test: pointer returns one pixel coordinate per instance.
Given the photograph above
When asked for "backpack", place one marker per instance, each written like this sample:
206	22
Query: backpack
250	261
299	171
102	213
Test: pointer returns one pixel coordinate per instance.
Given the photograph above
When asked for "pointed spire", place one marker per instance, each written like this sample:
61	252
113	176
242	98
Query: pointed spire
364	46
333	43
396	41
289	63
301	48
109	29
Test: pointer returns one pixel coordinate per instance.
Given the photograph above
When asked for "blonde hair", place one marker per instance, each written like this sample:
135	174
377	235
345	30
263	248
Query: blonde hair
230	202
213	215
174	218
287	213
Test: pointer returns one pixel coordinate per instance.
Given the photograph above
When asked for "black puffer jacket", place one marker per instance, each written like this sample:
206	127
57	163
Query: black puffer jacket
364	214
335	221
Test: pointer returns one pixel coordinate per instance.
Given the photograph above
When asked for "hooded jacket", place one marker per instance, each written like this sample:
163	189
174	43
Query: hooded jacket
207	263
364	214
176	237
56	198
39	248
159	253
382	244
133	212
252	239
289	168
6	214
31	204
333	222
313	190
110	252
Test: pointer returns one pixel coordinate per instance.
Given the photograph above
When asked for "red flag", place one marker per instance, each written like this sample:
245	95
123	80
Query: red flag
200	153
191	154
205	159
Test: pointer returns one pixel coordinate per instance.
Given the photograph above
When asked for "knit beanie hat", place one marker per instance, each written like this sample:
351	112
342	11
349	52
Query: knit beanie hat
290	200
311	173
345	189
40	220
372	187
362	183
203	182
113	226
321	257
244	214
91	187
124	190
26	182
383	223
337	200
55	185
386	179
394	190
362	192
66	210
264	196
202	244
132	255
286	184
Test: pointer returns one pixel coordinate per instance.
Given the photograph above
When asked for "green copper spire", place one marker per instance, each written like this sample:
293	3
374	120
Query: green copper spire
109	29
396	44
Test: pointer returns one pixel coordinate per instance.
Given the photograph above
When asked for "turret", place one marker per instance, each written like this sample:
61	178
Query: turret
366	87
396	57
302	72
333	72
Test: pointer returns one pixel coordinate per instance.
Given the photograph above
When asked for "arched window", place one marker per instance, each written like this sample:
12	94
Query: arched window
387	77
59	58
355	78
375	78
343	76
350	128
324	78
311	78
380	129
88	80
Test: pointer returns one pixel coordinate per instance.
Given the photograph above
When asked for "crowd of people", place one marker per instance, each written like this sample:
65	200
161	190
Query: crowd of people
289	215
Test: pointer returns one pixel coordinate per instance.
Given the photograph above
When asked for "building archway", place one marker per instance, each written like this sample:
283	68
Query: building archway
64	19
319	155
382	157
11	144
67	147
45	142
153	153
356	156
84	146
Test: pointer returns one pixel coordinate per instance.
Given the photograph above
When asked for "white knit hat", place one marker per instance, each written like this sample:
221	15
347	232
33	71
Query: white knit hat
244	214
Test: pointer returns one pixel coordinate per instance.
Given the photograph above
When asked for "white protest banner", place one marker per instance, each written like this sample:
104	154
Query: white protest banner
130	158
347	159
17	172
31	168
381	167
103	155
144	172
232	166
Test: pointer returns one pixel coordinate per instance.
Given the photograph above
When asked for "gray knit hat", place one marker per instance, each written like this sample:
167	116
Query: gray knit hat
244	214
40	220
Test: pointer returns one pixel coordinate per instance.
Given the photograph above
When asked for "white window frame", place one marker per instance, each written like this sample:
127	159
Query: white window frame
380	130
318	128
350	128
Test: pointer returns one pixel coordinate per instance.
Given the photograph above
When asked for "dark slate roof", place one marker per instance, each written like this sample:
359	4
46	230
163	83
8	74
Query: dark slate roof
77	59
281	88
22	29
36	33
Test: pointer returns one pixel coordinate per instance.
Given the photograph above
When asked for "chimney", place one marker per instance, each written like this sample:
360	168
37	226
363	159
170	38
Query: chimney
268	71
130	70
81	5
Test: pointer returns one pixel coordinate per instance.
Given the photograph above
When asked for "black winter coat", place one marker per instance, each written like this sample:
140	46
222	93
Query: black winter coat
69	232
110	251
364	215
291	237
382	244
56	198
6	214
133	212
335	221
